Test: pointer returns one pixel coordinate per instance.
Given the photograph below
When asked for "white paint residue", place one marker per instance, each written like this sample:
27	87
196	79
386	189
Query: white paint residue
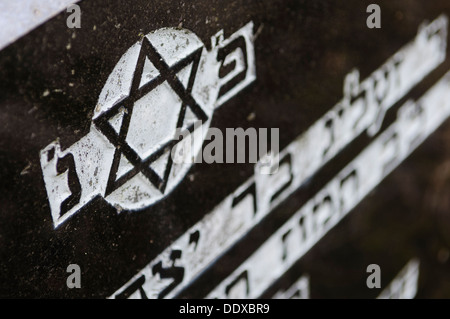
159	165
116	121
19	17
404	286
174	44
184	75
299	290
92	156
149	72
118	84
189	119
154	120
137	193
124	166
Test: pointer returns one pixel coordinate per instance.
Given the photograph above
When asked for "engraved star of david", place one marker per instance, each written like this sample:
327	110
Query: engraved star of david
126	105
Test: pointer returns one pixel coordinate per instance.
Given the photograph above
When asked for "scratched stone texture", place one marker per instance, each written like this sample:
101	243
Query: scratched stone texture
50	80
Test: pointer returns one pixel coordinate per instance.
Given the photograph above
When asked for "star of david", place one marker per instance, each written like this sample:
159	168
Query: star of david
137	91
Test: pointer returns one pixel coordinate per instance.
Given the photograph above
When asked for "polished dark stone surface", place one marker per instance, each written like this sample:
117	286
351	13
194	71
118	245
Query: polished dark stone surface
303	53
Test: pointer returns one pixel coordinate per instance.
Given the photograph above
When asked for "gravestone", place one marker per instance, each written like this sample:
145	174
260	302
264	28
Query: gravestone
101	199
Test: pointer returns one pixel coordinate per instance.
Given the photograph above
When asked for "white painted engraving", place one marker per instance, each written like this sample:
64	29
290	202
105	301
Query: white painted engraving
404	286
415	122
299	290
162	86
259	195
19	17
